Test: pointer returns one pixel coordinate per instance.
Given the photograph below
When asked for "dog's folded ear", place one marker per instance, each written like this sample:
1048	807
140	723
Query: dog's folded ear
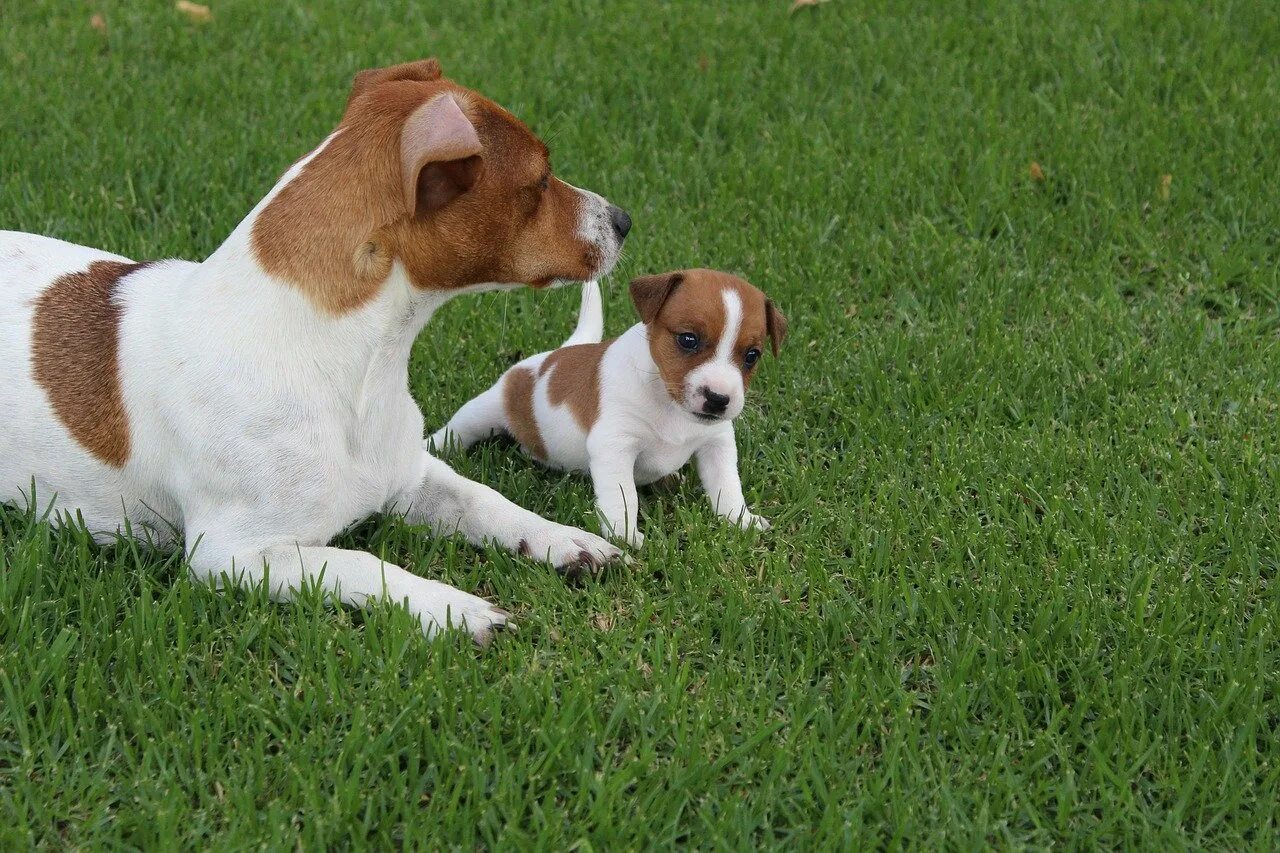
650	292
425	70
439	155
775	326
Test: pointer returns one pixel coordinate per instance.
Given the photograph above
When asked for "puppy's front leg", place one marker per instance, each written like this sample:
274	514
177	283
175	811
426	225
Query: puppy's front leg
450	503
718	469
613	473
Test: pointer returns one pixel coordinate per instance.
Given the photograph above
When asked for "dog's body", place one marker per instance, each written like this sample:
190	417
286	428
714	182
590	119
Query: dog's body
635	409
256	404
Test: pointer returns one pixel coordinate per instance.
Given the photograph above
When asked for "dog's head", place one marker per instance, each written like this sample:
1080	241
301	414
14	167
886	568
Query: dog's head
706	332
430	175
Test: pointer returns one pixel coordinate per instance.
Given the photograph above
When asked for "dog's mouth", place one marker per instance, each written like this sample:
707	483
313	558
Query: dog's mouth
706	418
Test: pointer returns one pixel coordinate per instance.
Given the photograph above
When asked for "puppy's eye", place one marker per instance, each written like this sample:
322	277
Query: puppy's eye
688	341
752	356
544	181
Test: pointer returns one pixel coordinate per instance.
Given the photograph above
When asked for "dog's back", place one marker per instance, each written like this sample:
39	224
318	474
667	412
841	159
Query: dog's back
41	306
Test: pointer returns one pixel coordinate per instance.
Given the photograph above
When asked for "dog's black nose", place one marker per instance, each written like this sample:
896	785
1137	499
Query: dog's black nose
715	403
620	220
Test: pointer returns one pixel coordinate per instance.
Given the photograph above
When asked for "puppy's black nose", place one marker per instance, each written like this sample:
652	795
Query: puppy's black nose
620	220
715	403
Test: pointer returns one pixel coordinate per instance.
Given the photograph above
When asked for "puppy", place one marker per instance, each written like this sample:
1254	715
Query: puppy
257	403
636	408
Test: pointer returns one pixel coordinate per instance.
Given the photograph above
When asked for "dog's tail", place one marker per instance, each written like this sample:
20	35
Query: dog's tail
590	328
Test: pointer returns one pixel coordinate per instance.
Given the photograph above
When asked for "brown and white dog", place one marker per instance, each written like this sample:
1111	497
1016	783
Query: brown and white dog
635	409
258	403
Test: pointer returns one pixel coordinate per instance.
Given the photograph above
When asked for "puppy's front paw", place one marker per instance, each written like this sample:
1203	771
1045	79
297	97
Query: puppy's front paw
747	521
569	549
634	540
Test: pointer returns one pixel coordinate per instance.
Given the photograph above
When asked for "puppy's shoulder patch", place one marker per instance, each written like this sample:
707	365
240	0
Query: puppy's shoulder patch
75	357
575	380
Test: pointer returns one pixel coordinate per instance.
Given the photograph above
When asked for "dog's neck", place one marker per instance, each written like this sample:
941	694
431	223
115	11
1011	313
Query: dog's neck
349	353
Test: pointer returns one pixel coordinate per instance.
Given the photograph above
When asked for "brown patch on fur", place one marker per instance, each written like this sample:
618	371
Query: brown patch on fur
691	301
575	379
334	229
75	357
517	399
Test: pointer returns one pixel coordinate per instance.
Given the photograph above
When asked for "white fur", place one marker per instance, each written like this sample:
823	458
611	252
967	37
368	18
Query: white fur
260	427
641	434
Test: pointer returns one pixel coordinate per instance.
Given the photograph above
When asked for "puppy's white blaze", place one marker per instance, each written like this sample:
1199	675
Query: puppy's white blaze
732	325
721	373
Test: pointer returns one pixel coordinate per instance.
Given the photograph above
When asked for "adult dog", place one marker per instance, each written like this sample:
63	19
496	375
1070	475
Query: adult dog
257	403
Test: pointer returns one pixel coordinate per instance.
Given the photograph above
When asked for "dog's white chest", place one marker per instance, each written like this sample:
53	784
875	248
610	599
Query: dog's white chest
661	460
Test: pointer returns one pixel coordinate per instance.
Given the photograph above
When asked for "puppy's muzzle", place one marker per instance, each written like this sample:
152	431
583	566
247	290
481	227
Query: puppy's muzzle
713	403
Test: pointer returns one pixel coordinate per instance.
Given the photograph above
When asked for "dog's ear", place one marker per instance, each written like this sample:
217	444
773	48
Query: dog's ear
439	155
425	70
775	326
650	292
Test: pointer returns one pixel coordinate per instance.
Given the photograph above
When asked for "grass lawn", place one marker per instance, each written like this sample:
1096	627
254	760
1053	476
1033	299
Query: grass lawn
1021	449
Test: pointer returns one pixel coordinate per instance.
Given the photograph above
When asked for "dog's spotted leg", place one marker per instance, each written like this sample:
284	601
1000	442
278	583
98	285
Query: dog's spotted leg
614	478
450	503
477	420
718	469
355	578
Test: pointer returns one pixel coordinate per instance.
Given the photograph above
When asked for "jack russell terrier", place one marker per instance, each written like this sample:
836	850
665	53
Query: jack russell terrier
635	409
257	404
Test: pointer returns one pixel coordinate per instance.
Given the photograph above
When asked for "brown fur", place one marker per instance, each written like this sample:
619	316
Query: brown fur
517	399
690	301
575	379
336	228
75	357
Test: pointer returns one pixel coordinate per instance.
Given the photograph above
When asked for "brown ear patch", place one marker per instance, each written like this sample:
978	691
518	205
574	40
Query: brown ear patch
423	70
517	398
75	357
650	292
775	325
575	380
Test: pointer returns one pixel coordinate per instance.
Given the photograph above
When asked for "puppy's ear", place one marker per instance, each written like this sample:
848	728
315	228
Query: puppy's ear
439	155
775	326
650	292
425	70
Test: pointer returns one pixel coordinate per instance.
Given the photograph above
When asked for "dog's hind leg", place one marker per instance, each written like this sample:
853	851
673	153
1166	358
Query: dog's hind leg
479	419
352	577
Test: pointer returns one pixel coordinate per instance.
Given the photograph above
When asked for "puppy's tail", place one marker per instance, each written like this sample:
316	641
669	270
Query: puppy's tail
590	328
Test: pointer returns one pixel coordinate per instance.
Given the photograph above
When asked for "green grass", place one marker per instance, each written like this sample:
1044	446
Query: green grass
1021	448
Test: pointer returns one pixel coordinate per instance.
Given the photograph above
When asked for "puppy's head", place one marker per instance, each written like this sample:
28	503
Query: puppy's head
436	177
706	331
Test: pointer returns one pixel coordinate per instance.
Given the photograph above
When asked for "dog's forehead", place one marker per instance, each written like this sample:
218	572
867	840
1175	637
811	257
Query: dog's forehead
502	134
701	297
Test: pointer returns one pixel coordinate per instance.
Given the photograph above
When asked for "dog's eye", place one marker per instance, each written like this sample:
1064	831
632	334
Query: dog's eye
544	181
687	341
752	356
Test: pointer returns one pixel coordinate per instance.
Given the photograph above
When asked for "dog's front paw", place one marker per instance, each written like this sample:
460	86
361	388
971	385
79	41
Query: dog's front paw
447	607
634	540
747	521
572	551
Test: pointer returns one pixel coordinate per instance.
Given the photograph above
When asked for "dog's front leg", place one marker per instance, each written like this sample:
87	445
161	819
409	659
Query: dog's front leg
613	474
450	503
718	469
352	577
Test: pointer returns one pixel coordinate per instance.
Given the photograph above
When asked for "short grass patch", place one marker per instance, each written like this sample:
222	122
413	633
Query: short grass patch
1020	450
